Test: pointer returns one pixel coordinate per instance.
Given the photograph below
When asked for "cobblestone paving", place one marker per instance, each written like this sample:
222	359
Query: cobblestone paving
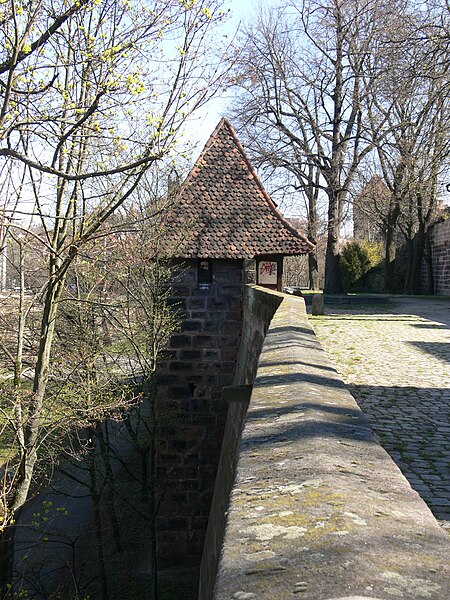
395	360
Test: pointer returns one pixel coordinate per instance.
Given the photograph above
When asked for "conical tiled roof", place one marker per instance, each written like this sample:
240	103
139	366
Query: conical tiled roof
223	211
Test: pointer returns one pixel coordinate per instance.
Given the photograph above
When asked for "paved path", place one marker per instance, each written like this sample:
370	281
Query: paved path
395	359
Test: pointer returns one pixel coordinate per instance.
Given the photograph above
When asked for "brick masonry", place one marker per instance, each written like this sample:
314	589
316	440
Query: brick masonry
259	308
191	412
439	238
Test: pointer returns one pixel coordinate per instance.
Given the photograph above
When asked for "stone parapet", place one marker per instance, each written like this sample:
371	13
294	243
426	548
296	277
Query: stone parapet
259	308
318	509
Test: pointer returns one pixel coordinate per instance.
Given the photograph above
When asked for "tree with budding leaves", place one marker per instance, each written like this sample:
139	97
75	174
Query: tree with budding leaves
92	94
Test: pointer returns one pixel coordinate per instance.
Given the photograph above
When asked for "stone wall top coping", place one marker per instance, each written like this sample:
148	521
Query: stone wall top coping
319	510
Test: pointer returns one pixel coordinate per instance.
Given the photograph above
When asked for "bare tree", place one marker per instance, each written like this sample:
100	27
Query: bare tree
112	323
117	311
409	114
301	76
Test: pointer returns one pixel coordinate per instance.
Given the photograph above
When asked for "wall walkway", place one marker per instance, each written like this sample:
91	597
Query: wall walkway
318	509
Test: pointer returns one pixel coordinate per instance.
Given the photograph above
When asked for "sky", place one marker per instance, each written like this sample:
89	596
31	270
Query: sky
208	117
205	121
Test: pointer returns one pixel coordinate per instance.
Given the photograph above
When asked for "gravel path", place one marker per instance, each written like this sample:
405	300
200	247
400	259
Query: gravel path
395	360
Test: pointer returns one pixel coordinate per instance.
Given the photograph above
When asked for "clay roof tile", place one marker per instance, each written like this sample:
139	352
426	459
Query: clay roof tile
223	211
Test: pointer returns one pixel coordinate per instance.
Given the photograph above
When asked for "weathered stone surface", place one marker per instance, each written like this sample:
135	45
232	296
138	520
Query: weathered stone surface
395	361
439	241
318	305
319	510
259	308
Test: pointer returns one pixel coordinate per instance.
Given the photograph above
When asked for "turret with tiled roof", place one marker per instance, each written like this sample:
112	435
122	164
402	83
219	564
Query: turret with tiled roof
224	232
224	211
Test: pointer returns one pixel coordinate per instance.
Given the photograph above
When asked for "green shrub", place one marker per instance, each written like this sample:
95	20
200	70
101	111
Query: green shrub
375	251
354	262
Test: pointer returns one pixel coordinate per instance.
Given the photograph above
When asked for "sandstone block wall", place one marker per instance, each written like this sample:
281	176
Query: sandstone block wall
439	242
259	308
318	509
191	411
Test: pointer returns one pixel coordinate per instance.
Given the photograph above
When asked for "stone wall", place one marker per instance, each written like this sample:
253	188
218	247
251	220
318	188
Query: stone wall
317	508
259	308
439	243
191	411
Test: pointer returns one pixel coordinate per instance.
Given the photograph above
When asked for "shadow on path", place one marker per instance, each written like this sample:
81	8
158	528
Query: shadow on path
413	425
440	350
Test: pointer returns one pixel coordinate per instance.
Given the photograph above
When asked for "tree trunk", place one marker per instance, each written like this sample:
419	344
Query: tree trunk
7	536
6	552
144	456
333	282
390	248
29	455
110	486
417	258
408	289
389	263
97	524
150	389
153	509
313	271
3	261
143	450
429	260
